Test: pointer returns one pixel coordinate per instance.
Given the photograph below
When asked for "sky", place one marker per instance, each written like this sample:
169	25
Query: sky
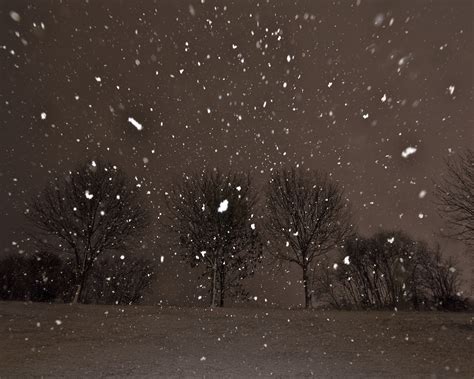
377	93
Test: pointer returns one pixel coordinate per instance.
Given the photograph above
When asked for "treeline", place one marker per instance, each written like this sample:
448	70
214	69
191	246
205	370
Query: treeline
86	225
305	220
47	277
388	271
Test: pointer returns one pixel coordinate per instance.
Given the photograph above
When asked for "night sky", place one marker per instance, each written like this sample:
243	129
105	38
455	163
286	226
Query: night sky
343	86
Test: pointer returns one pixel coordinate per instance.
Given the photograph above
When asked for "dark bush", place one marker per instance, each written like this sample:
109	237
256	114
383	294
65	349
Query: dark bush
40	277
389	270
13	278
117	281
46	277
442	280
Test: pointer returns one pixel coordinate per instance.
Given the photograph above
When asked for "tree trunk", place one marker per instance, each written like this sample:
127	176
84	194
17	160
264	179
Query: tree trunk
307	293
416	303
222	288
78	293
80	289
221	300
214	289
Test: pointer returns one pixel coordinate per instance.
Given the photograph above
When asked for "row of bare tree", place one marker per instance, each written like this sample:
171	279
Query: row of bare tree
389	270
216	224
217	227
95	218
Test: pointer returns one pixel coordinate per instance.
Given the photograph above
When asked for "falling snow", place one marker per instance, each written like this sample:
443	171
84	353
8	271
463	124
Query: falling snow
377	95
135	123
223	206
15	16
408	151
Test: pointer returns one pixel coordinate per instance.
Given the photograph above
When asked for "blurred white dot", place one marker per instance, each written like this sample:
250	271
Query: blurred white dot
223	206
408	151
378	20
15	16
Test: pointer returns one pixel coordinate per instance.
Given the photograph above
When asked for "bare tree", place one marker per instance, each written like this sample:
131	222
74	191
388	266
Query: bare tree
455	197
382	271
92	210
211	217
441	281
119	281
307	217
387	270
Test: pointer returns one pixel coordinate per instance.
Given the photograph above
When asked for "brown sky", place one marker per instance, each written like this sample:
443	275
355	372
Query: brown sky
343	86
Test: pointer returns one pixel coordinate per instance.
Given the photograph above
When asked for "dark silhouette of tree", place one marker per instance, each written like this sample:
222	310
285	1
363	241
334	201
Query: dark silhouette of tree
48	277
455	197
14	281
307	216
40	277
211	218
91	211
382	271
117	281
389	270
441	280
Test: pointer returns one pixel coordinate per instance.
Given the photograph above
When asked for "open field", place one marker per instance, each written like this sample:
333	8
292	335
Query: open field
146	341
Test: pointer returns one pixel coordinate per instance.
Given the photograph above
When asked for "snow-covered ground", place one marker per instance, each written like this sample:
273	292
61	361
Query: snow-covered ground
65	340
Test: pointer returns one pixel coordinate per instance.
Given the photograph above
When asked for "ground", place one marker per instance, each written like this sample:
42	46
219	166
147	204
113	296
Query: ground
147	341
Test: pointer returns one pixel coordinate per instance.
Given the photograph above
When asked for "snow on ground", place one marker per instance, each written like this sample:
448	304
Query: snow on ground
146	341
